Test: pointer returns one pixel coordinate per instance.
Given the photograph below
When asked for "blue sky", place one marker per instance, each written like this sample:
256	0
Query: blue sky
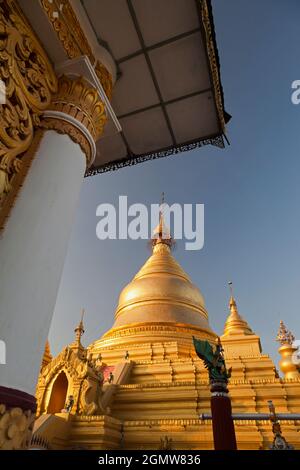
250	190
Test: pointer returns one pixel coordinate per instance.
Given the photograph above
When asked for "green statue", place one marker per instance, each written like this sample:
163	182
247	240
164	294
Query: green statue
213	358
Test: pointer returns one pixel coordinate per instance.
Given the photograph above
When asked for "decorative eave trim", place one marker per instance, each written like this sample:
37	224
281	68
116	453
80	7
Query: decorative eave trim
212	54
131	160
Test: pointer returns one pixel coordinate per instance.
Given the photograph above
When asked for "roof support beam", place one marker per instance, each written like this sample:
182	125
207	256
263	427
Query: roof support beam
144	49
158	44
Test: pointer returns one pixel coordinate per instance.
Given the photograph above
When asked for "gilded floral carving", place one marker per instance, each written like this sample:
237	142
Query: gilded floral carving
77	98
67	27
15	428
29	83
105	78
17	179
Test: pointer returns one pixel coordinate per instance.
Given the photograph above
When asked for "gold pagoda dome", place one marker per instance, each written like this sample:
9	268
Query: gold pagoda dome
161	291
161	298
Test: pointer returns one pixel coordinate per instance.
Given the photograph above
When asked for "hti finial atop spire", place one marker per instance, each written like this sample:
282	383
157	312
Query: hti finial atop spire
232	302
82	315
161	233
161	227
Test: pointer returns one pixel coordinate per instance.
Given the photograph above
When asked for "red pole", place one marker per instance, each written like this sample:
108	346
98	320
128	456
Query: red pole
222	422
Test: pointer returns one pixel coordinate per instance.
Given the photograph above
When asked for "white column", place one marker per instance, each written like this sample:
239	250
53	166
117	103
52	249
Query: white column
32	254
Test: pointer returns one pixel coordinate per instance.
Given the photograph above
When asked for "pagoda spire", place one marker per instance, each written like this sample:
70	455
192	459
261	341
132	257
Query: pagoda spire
235	323
77	346
79	330
47	356
161	233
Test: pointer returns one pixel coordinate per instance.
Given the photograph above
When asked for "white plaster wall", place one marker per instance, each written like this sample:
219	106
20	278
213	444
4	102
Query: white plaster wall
32	254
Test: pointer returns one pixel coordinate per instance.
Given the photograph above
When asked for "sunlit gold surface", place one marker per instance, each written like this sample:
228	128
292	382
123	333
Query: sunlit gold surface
235	324
161	292
76	97
160	386
71	35
289	363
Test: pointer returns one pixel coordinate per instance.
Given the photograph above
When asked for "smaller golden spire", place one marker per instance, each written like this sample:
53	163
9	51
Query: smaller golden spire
79	330
289	362
47	357
76	346
235	324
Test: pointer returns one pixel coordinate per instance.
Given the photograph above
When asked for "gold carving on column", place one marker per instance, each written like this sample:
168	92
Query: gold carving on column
105	79
64	127
15	428
18	178
29	82
78	99
67	27
64	22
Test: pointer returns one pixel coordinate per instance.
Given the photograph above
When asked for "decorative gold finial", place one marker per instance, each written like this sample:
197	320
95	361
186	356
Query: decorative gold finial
289	362
284	336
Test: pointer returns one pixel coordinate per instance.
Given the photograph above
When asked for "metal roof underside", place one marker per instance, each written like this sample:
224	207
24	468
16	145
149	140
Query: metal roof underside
168	96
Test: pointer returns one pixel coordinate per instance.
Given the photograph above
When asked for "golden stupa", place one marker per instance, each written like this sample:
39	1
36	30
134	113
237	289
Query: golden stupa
142	385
